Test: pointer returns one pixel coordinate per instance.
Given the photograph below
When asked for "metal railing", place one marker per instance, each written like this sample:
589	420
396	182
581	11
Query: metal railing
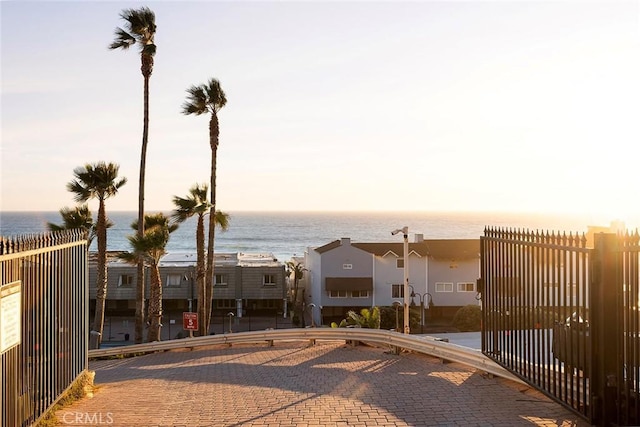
532	283
627	306
420	344
51	272
564	317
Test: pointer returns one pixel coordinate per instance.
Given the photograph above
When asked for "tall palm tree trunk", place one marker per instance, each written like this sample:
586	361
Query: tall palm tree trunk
147	64
208	283
101	279
213	140
155	305
200	271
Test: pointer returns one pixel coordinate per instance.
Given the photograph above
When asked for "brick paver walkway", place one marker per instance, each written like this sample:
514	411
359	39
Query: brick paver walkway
291	384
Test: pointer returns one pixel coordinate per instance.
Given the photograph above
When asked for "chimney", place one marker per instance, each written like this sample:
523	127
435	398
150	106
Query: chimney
419	238
345	241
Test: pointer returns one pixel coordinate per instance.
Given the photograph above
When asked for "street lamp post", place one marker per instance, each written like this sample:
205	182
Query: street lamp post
422	298
405	264
313	321
397	304
231	315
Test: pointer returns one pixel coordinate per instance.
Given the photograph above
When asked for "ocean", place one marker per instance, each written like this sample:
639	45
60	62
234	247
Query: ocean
288	234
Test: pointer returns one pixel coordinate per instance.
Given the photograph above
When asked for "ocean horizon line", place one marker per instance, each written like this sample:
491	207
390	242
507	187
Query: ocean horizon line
348	211
290	233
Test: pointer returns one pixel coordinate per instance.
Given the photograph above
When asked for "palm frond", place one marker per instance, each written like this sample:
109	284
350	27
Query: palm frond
222	220
55	227
195	203
128	257
148	49
151	245
141	22
196	102
140	27
123	40
99	180
215	95
80	192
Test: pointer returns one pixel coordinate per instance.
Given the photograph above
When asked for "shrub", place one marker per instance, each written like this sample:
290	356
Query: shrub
468	318
366	319
388	318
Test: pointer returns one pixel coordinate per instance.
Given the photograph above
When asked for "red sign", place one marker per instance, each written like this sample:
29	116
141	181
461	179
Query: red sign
189	321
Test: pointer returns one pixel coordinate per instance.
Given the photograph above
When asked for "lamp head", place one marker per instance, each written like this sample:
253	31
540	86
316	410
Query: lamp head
403	230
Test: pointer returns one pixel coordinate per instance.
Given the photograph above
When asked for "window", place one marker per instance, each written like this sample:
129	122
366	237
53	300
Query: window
220	280
397	291
337	294
400	263
269	280
347	266
444	287
263	304
174	280
466	287
360	294
125	281
225	303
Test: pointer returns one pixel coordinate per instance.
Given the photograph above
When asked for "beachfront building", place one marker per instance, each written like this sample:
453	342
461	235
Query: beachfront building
246	284
344	275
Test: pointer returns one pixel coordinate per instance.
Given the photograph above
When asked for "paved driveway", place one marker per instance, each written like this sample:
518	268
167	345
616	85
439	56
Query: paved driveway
291	384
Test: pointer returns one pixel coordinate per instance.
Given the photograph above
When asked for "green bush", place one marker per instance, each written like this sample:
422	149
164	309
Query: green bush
468	318
368	318
388	318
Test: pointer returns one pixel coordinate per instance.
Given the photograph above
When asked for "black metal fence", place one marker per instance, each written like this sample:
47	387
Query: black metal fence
222	324
564	317
50	273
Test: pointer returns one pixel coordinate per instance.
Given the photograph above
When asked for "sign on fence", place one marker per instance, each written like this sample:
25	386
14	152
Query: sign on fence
189	321
10	315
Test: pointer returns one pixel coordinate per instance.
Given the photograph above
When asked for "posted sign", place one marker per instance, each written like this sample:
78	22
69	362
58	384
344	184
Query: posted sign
189	321
10	315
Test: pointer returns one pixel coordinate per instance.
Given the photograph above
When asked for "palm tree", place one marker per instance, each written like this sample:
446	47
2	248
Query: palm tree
368	318
297	270
78	217
196	203
99	180
149	250
140	29
208	98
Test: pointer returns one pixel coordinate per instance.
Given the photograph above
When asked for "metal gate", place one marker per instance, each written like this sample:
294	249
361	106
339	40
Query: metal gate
48	276
562	314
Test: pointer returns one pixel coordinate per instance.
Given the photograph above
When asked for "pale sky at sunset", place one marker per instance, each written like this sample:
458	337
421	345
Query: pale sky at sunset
423	105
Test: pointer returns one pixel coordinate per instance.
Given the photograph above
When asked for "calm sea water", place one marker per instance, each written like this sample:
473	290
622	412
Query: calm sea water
290	234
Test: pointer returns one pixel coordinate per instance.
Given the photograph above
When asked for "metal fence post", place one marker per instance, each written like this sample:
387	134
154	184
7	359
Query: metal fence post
605	328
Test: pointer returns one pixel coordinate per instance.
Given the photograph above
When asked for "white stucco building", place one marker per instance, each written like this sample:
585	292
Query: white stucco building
344	275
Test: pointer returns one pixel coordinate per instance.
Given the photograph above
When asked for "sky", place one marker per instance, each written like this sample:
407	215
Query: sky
516	106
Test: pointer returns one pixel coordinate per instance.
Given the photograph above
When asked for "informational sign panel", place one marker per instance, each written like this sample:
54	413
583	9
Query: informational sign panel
189	321
10	315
